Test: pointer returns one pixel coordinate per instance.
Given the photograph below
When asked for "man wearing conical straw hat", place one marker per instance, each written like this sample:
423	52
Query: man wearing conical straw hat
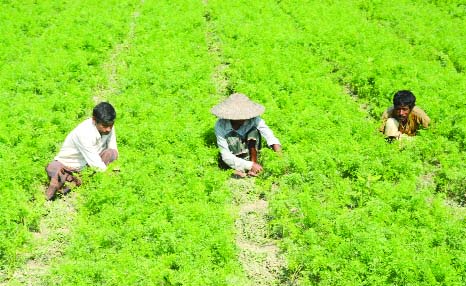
239	130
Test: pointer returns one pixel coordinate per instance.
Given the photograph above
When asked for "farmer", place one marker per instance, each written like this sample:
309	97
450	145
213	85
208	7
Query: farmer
238	130
403	119
92	143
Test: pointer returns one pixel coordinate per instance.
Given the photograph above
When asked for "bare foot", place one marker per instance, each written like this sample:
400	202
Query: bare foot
50	192
65	190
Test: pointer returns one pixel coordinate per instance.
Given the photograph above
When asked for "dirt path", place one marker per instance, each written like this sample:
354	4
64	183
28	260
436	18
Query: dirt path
219	77
49	242
259	254
116	63
55	227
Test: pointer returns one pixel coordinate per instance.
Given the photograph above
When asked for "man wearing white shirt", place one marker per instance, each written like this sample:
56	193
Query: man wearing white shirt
239	131
92	143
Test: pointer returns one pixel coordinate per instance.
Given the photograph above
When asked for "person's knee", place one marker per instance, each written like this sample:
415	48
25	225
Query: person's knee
53	168
254	139
114	153
253	135
391	128
252	143
109	155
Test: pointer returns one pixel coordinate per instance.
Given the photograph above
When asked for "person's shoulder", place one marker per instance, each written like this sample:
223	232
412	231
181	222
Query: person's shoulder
87	121
220	122
387	113
220	126
420	114
256	120
85	127
418	110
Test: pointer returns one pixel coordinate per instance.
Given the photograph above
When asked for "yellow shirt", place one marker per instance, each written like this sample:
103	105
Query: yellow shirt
416	118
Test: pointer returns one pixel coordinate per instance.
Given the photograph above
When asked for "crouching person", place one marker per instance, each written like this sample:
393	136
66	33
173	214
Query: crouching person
239	131
404	118
92	143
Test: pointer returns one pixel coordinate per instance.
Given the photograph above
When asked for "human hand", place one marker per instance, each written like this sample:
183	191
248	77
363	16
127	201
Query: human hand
255	169
239	174
277	148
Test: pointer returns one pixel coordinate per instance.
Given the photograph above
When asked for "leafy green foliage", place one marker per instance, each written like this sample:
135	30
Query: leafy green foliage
45	82
348	208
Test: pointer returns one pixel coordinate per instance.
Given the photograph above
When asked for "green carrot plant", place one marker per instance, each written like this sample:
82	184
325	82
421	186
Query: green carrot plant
349	208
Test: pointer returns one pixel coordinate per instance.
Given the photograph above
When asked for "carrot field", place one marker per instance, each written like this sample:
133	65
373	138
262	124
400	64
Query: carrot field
339	206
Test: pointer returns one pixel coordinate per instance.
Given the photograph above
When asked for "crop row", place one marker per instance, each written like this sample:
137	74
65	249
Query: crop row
165	218
437	40
432	31
45	98
50	61
350	209
374	62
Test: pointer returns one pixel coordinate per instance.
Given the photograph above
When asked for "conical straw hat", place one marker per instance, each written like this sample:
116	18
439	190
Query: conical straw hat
237	107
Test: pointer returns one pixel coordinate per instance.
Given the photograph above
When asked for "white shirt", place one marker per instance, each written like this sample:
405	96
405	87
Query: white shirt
83	146
223	127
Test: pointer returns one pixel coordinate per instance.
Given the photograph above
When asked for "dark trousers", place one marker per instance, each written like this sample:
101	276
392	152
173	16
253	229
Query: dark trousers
59	174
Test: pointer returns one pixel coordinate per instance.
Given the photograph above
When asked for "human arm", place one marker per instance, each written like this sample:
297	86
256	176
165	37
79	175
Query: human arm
256	167
384	119
421	117
230	159
112	143
88	148
277	148
268	135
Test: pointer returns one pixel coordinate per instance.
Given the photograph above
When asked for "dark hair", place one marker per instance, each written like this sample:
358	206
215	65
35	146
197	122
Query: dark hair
104	113
404	98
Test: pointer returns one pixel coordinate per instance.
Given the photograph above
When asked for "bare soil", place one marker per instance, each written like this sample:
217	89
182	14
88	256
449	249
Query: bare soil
258	252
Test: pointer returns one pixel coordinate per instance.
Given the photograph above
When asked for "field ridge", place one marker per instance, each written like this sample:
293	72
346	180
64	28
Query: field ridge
259	253
116	62
49	241
55	226
340	206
